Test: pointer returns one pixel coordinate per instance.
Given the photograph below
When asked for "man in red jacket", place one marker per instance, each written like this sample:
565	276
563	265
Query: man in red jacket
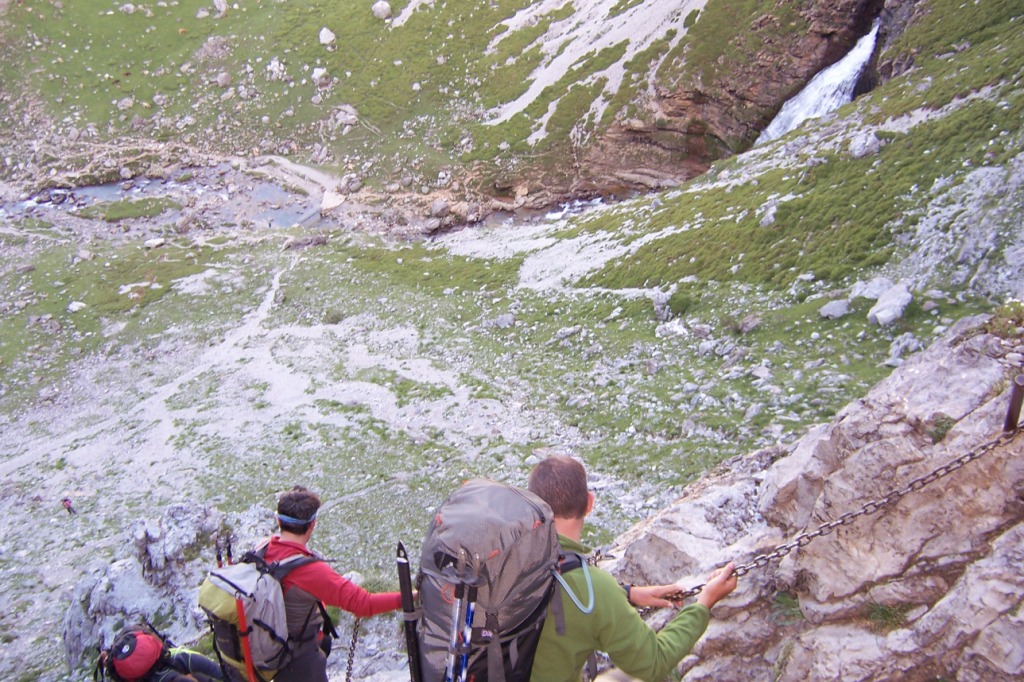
307	586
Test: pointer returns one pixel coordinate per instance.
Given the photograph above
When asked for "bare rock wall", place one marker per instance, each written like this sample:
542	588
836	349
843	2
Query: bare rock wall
928	586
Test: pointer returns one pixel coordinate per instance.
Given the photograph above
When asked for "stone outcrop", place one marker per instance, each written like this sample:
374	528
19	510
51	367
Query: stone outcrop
155	582
929	586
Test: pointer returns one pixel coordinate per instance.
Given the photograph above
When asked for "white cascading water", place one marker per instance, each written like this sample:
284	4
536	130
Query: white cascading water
829	90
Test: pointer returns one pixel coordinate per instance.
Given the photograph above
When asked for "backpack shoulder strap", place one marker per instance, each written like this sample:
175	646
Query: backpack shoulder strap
569	563
280	568
328	625
566	563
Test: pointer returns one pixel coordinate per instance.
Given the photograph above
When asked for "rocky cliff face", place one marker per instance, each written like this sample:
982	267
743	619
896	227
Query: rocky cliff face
928	586
684	126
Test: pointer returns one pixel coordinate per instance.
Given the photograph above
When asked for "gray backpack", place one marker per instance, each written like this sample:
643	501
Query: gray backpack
244	604
488	570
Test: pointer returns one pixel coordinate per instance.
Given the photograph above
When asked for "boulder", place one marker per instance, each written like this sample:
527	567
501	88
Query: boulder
834	309
438	208
864	144
890	305
873	289
320	77
381	9
902	345
749	323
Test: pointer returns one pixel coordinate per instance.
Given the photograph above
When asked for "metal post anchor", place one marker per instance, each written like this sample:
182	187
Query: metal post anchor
1016	400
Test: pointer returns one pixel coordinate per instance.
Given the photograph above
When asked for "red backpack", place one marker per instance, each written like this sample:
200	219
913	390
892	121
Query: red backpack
134	654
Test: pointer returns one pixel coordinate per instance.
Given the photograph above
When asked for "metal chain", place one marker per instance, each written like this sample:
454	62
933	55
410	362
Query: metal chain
869	508
352	650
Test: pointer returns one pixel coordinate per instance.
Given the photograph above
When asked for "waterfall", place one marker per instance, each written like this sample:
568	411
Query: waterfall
827	91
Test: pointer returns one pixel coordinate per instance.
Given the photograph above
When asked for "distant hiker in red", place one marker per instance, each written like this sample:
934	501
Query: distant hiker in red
307	585
66	503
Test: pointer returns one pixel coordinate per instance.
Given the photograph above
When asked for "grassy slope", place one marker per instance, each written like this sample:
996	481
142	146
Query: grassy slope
83	59
421	88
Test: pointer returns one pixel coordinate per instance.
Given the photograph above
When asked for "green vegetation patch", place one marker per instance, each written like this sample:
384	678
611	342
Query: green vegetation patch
826	232
959	50
75	301
786	609
128	209
623	6
383	277
1007	321
940	427
950	26
885	618
155	71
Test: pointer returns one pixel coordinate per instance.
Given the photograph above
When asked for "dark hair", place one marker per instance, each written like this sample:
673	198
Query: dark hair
298	503
562	483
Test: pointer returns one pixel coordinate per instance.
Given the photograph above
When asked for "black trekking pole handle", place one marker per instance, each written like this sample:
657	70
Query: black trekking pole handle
412	644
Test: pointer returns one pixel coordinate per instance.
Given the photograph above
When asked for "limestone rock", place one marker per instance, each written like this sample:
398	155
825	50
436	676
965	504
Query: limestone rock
864	144
749	323
834	309
321	78
873	289
332	199
157	577
276	70
381	9
944	558
439	208
890	305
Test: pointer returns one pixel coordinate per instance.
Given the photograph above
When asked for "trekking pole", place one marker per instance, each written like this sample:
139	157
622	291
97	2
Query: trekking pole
243	632
451	669
1016	399
412	644
467	632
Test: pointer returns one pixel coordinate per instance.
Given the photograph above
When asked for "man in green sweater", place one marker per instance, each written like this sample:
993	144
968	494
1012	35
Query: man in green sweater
613	625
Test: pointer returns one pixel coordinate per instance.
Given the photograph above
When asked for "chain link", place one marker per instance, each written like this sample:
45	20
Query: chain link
352	650
869	508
